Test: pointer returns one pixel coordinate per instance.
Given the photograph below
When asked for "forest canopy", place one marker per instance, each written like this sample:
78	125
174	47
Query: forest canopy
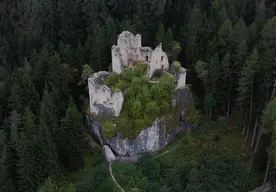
49	48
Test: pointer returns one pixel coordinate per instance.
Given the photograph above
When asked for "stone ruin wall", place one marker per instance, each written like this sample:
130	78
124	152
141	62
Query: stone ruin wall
102	100
129	49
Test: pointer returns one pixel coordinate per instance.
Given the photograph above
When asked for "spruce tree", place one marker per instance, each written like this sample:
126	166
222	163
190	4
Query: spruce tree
209	103
225	36
246	86
10	155
27	168
240	31
227	82
168	40
15	100
72	140
160	36
267	57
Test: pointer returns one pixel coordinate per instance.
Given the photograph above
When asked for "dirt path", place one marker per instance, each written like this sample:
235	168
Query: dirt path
113	178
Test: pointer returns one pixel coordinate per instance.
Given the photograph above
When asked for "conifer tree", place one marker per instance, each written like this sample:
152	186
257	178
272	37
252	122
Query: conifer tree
227	82
50	186
15	102
11	157
49	113
269	127
189	34
225	36
72	137
46	153
246	86
214	78
160	36
267	57
168	40
209	103
27	168
260	13
240	31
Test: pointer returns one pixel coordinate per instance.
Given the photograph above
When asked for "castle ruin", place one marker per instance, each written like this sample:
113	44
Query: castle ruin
129	49
125	54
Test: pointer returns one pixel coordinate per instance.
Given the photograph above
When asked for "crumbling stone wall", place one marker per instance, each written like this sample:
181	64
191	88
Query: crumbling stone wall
159	60
102	99
129	48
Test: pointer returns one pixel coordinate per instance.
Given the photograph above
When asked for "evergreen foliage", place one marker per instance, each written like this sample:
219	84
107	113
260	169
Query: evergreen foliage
48	47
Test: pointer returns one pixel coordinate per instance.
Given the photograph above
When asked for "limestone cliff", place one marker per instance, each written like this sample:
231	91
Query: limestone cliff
150	139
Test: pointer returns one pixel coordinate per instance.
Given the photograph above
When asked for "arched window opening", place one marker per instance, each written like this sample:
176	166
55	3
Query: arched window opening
162	58
146	58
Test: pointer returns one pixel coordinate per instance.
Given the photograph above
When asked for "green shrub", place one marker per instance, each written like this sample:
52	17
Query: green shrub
144	102
177	66
128	75
112	79
192	115
188	86
109	129
140	69
158	73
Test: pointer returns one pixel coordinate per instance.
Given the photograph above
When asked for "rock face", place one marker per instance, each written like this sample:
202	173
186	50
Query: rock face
108	153
102	100
151	139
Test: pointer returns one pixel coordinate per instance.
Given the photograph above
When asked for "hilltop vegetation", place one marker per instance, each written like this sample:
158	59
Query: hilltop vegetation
143	101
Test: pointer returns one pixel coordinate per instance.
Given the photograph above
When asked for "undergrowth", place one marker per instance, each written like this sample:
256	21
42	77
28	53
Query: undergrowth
208	159
143	101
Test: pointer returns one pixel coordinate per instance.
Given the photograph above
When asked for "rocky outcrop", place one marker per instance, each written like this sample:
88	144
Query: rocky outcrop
109	155
150	139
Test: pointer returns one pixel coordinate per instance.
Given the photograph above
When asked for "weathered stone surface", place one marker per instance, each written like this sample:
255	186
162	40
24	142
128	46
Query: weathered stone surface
182	97
129	48
102	100
94	128
108	153
181	79
151	139
105	102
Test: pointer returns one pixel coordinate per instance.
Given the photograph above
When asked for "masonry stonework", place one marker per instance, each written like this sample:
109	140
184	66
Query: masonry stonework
129	49
124	55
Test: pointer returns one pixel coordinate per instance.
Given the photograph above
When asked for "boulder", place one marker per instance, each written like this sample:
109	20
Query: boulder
109	155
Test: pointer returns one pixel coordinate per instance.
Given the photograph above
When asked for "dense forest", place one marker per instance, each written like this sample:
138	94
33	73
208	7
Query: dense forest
48	49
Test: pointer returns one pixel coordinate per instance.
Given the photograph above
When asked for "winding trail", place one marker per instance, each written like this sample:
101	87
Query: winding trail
161	154
113	178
